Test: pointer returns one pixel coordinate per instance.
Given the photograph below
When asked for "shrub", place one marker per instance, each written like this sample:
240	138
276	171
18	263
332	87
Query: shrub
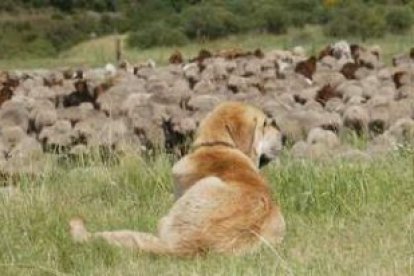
147	12
322	15
372	23
399	19
85	24
29	44
208	21
356	19
340	26
63	35
302	11
273	19
41	47
157	34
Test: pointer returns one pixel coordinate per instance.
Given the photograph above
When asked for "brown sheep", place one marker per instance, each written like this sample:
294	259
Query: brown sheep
7	86
102	88
68	74
397	78
5	94
176	58
355	50
307	67
349	69
258	53
202	55
327	51
326	93
52	81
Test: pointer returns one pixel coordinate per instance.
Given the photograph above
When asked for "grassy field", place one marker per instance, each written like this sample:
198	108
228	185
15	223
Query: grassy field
342	218
99	51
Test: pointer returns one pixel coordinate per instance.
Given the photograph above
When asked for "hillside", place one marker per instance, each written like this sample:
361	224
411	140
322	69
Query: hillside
42	29
99	51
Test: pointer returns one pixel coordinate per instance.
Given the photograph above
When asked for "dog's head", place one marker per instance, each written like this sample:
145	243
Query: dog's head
243	127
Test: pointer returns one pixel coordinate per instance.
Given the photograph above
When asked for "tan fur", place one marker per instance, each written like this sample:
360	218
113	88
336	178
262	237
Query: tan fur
223	203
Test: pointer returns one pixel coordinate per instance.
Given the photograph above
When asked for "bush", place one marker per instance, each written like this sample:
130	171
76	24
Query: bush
148	12
28	44
41	47
340	26
273	19
302	12
356	20
372	23
208	21
64	35
322	15
399	19
157	34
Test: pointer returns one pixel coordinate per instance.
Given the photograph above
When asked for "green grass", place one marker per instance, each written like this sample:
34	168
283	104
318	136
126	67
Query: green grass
342	219
99	51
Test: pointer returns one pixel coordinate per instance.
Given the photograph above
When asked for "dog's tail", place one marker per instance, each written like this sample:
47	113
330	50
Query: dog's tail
124	238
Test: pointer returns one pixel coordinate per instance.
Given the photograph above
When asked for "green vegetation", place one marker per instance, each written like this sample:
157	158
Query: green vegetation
42	28
399	19
355	20
44	35
97	52
63	5
157	34
343	219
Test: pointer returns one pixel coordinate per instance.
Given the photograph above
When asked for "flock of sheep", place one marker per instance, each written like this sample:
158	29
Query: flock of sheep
316	101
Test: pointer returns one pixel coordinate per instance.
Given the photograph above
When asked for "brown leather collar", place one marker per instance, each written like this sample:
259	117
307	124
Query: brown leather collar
212	144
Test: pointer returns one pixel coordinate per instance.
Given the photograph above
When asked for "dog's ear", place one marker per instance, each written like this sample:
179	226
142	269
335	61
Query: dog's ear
242	132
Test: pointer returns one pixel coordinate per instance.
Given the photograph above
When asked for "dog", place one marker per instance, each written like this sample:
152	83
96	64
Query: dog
223	204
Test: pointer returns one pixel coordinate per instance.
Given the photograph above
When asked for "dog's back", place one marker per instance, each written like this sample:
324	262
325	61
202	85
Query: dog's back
229	199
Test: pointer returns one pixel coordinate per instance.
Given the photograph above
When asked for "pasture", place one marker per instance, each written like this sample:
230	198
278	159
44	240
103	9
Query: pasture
342	219
98	52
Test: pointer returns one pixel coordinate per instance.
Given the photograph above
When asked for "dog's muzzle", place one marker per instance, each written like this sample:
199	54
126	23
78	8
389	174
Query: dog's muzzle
264	160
